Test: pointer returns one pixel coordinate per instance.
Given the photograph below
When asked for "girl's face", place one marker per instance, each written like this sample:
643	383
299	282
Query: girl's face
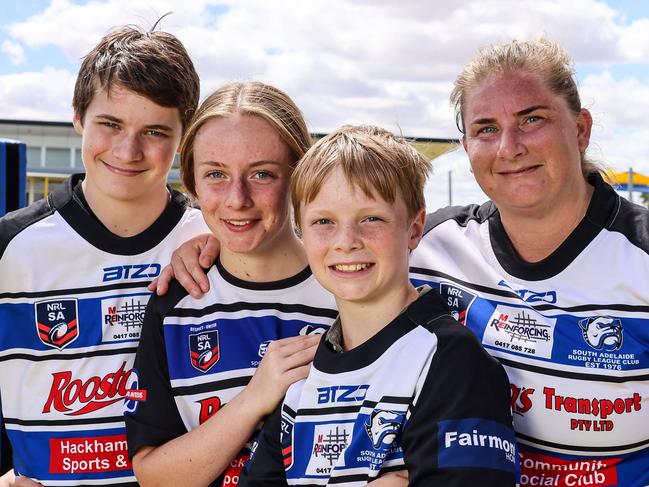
242	171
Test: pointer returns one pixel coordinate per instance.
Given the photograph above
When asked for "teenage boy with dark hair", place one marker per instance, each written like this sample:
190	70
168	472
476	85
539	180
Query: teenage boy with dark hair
74	266
397	384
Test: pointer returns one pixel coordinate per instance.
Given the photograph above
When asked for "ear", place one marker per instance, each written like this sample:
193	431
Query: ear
76	122
416	230
584	126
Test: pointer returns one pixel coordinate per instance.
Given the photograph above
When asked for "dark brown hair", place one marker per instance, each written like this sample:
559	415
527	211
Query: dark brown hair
153	64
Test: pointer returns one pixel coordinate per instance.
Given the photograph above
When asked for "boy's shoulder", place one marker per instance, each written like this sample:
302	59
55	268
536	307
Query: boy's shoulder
19	220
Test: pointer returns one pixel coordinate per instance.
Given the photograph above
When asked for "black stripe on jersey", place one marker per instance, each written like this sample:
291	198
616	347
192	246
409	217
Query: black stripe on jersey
329	410
571	375
241	306
387	399
537	307
343	479
63	422
68	356
78	291
578	448
211	386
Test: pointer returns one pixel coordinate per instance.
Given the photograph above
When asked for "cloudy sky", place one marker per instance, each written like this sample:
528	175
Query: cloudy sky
386	62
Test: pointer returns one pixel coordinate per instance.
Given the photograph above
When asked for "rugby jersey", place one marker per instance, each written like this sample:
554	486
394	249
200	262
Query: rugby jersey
197	354
72	299
421	395
572	332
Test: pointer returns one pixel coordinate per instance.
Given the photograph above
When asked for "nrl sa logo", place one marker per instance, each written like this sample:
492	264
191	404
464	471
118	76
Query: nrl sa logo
602	332
383	427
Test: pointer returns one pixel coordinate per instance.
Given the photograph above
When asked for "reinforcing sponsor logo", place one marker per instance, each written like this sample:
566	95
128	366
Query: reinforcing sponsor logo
122	318
329	442
521	330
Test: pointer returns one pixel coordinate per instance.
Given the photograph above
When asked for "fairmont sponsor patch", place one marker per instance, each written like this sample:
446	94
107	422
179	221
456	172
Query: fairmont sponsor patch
520	330
476	442
57	322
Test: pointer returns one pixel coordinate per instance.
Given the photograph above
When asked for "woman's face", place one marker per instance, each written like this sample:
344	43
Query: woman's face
242	170
524	143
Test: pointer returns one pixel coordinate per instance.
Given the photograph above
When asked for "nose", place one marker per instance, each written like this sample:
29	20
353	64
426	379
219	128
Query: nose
238	195
348	238
128	148
511	144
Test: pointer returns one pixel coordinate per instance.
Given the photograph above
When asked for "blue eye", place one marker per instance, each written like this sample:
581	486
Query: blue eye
261	175
322	221
156	133
110	125
374	219
215	175
487	130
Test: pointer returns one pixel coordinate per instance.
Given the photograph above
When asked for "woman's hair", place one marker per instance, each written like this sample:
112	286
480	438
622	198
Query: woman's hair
542	57
246	98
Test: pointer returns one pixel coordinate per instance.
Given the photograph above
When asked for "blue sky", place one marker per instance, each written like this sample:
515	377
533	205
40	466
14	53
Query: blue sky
386	62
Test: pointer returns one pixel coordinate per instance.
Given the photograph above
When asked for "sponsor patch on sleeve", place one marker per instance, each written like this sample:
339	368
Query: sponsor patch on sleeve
476	442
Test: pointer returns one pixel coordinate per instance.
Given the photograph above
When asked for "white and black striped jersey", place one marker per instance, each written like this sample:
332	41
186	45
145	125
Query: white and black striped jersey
572	332
197	354
421	395
72	300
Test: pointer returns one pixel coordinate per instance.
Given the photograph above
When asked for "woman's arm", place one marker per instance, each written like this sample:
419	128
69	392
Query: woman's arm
205	452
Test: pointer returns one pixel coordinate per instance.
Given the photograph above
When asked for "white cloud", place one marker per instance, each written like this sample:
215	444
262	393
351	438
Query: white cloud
37	96
373	61
14	51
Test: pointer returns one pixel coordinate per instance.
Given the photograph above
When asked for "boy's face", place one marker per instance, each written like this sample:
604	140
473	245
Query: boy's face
128	146
358	247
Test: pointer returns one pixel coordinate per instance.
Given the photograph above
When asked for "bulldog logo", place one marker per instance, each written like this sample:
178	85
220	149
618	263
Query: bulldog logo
602	332
383	427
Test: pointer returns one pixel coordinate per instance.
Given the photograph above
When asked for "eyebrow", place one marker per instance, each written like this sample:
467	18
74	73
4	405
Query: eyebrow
520	113
155	126
253	164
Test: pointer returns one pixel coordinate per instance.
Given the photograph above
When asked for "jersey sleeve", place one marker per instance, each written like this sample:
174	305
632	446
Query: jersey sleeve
460	432
266	466
154	420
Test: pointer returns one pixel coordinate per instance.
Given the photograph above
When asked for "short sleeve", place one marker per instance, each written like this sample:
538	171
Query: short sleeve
154	420
460	432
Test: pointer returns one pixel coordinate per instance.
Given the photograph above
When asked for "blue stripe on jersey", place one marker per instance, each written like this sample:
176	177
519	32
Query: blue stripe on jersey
241	342
120	315
476	442
591	340
71	455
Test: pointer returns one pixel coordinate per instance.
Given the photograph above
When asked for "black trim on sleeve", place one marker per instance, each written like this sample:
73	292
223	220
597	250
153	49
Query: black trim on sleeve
155	420
16	221
463	381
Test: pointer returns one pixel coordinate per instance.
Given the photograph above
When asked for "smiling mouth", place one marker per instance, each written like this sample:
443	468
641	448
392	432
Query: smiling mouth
351	267
521	171
238	223
121	171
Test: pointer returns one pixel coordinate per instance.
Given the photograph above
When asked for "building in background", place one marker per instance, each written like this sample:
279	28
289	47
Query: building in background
54	152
